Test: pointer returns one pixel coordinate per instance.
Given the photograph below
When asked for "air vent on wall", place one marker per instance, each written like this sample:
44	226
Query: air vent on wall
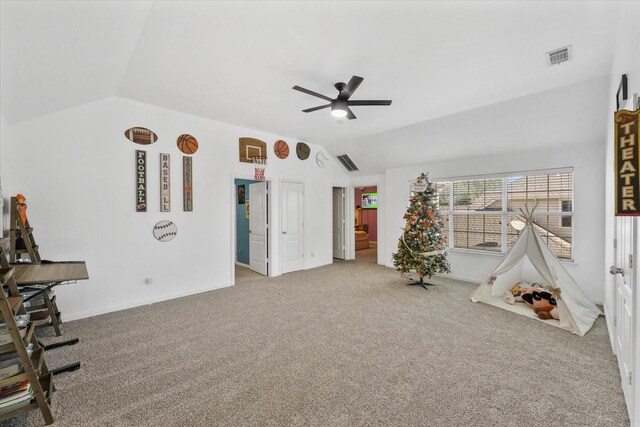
347	163
559	56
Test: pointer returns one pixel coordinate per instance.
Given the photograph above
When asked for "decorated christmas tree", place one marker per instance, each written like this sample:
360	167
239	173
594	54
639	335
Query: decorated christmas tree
421	247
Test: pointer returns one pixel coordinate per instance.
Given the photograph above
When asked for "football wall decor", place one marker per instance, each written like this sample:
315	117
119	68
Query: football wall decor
141	136
141	181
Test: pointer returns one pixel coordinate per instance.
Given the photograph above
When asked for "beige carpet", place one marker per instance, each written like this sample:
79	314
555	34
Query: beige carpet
343	345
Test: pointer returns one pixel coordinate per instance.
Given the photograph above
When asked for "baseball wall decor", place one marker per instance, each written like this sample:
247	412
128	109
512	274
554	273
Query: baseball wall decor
303	151
320	159
141	181
187	144
250	148
165	230
281	149
141	136
165	182
187	181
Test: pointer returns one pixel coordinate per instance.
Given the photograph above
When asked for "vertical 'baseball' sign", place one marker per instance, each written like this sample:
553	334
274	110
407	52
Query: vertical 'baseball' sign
627	177
141	181
165	188
187	181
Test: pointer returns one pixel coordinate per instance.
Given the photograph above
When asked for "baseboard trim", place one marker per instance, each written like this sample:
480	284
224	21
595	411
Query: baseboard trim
461	278
128	305
241	264
609	329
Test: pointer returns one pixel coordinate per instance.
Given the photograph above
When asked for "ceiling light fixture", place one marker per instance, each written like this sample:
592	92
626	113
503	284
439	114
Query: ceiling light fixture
339	109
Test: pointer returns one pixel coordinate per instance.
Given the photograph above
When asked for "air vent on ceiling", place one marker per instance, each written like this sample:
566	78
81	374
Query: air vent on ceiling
347	163
559	56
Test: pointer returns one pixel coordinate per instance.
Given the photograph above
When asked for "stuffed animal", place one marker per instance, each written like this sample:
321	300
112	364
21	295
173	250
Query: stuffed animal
542	302
515	294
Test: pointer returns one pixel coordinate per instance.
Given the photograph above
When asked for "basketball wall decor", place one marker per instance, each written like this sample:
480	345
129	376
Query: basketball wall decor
187	144
187	182
141	136
303	151
165	230
281	149
252	147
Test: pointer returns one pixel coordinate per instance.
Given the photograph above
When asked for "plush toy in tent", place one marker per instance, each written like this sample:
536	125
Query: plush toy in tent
531	260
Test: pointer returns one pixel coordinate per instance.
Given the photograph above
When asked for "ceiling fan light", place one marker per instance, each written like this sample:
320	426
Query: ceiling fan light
338	112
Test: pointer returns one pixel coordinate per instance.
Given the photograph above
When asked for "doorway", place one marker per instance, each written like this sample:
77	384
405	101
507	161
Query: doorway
366	223
251	229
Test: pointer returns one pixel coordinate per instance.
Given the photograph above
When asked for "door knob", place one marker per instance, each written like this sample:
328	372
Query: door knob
616	270
284	232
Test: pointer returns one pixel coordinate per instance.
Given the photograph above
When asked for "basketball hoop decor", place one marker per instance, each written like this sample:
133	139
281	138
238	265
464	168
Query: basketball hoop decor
259	164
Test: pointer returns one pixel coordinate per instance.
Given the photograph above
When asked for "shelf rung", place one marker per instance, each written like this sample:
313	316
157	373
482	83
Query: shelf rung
5	274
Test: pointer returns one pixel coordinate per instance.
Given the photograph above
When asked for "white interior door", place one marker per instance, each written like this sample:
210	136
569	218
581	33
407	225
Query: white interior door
258	227
292	214
624	300
338	223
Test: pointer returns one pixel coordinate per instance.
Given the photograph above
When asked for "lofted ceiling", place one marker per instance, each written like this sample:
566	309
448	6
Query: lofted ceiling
236	62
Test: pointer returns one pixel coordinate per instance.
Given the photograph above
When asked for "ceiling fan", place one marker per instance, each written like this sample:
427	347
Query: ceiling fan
340	105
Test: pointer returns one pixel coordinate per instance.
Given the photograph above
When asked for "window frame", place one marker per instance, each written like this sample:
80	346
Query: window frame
504	212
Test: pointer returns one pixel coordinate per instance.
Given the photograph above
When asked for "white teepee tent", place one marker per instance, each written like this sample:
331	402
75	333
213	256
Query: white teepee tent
531	260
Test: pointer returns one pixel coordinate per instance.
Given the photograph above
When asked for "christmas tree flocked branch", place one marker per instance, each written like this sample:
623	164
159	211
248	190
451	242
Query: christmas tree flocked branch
421	246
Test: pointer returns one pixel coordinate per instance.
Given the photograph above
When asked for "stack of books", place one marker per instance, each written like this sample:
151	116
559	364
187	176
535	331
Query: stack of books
15	396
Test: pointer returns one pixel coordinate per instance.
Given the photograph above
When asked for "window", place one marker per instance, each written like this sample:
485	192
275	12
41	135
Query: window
566	207
487	214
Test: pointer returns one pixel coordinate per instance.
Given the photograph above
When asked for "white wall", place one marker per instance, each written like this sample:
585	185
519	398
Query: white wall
588	245
76	169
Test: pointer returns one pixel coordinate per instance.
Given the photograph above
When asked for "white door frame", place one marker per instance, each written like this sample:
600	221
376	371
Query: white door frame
234	225
304	209
345	220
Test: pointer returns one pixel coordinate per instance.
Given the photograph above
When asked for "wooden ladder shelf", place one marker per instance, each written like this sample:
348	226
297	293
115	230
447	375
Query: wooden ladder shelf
21	240
33	367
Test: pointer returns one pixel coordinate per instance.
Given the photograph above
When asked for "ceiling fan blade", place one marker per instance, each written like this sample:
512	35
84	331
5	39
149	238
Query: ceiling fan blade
351	87
308	110
312	93
350	114
373	102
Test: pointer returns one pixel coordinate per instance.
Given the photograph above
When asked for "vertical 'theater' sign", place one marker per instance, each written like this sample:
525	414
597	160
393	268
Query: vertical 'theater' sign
141	181
165	193
627	163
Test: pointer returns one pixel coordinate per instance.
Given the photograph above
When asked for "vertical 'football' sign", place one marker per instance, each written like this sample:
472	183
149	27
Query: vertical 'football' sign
141	181
165	188
627	163
187	180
